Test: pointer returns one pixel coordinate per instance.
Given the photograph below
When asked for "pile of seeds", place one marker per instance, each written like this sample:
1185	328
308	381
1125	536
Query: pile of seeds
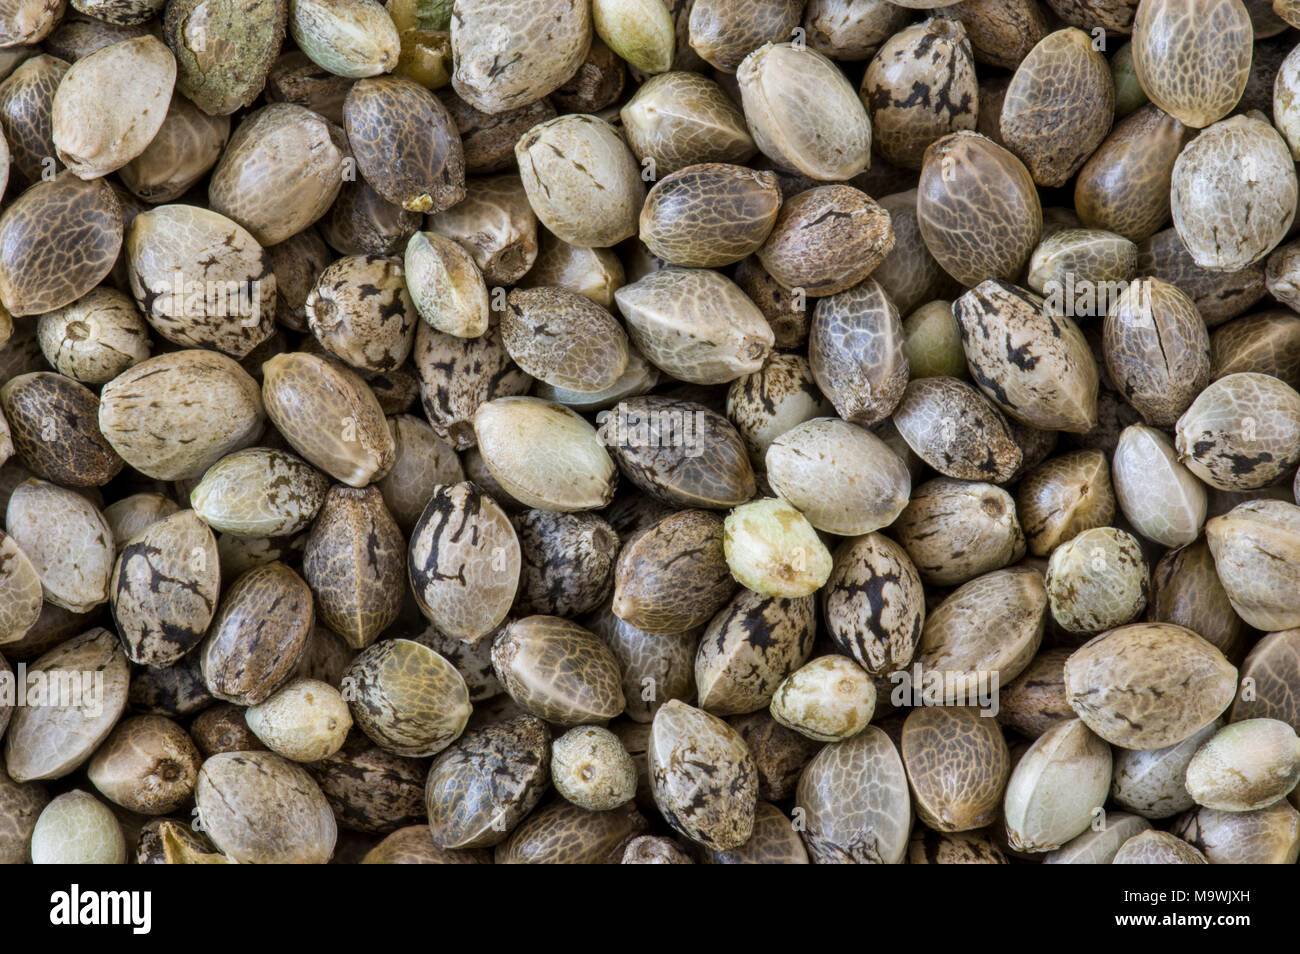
649	431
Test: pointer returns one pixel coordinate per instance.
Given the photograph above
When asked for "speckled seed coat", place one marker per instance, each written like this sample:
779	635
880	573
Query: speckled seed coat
1192	57
261	809
1254	547
582	181
1035	700
1269	836
164	589
21	598
67	541
1152	782
679	119
80	229
929	847
424	460
857	353
920	85
20	807
1157	848
1157	350
223	66
709	215
126	86
174	416
1245	766
1219	295
826	240
766	404
856	802
591	768
459	374
481	787
564	339
50	741
679	452
695	324
1272	664
361	312
546	43
354	560
1036	366
977	208
567	562
994	623
956	430
280	172
464	561
1064	496
1124	185
371	789
54	423
955	530
472	660
329	416
562	833
95	338
957	763
445	285
1059	106
405	143
260	492
1097	581
1268	341
656	667
406	698
187	145
1242	432
25	100
703	778
673	576
257	635
558	671
873	603
496	224
1243	156
200	279
148	764
828	699
749	648
1148	685
723	31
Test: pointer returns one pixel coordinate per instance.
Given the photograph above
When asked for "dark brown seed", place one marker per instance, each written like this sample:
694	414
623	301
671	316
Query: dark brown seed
260	630
369	789
54	422
487	782
679	452
406	143
353	561
58	240
673	576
